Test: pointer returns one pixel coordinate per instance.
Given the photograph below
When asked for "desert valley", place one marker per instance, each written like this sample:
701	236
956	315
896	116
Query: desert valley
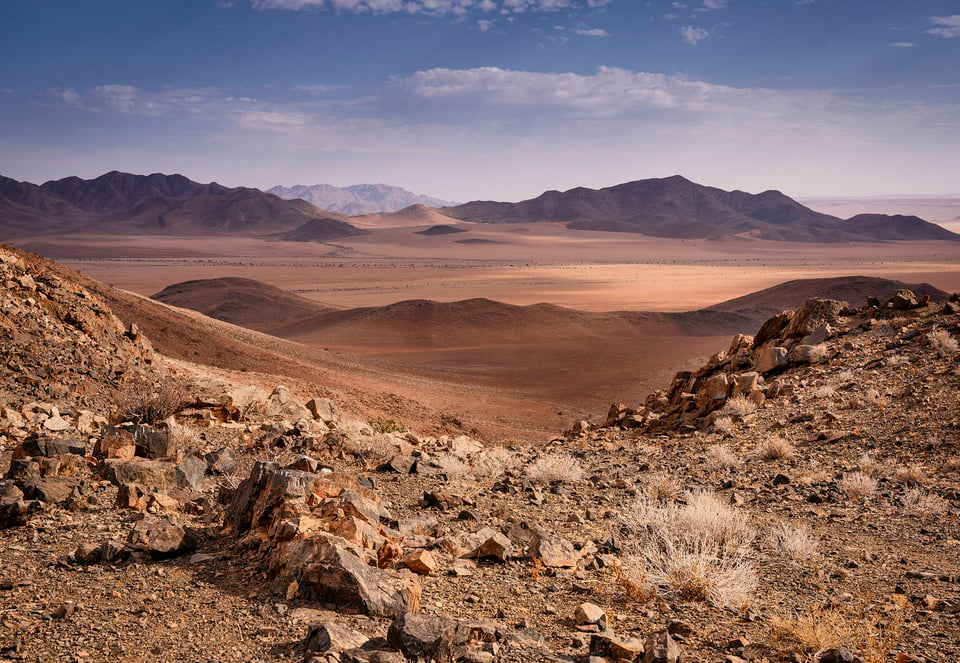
657	421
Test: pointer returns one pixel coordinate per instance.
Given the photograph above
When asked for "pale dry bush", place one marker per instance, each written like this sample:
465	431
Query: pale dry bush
818	353
911	475
857	485
896	360
943	343
555	468
952	465
451	466
185	436
724	425
795	542
824	392
698	550
844	376
918	502
809	475
739	406
776	448
662	487
874	631
721	457
869	464
144	401
494	462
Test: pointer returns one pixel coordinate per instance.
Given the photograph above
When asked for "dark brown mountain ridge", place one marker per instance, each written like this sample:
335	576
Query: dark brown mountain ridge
157	204
676	207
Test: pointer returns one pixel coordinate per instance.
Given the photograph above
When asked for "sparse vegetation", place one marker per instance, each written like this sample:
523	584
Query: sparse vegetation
700	550
824	392
857	485
739	406
910	475
918	502
776	448
720	457
384	425
943	343
795	542
555	468
662	487
145	401
724	425
451	466
494	461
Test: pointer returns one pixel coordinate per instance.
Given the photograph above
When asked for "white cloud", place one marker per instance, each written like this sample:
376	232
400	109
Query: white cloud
946	26
430	7
903	44
712	5
315	89
693	35
484	25
593	32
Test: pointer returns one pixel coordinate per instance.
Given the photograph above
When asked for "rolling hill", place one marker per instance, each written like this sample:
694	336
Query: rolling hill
676	207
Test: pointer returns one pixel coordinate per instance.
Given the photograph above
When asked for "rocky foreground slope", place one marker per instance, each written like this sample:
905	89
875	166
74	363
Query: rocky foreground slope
796	499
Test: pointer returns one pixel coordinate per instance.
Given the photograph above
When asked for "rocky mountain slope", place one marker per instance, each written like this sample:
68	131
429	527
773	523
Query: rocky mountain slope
795	499
121	203
677	207
357	199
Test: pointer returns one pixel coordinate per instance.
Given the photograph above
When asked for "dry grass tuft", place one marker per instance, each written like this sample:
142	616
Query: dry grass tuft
699	550
943	343
739	406
911	475
451	466
795	542
555	468
494	462
857	485
720	457
662	488
724	425
824	392
918	502
775	448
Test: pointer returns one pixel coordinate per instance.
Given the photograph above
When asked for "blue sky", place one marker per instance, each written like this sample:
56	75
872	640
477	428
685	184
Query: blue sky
496	99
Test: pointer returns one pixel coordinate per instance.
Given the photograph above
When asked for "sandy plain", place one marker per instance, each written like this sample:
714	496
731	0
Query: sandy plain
537	380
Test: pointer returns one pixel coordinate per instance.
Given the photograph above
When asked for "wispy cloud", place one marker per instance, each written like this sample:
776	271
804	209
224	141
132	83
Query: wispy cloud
903	44
593	32
433	7
693	35
484	25
945	26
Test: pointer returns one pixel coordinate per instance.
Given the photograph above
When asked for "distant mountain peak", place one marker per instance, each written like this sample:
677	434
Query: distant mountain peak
357	199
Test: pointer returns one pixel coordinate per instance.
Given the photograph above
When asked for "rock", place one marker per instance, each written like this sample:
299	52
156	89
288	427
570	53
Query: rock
421	562
528	637
51	490
220	462
15	511
324	410
610	646
56	424
493	545
400	463
771	358
806	354
662	648
330	636
116	443
902	300
328	569
770	330
554	551
424	637
153	442
189	474
837	655
161	538
812	315
590	613
147	473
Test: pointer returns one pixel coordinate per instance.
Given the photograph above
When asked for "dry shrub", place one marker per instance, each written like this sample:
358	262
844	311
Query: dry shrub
185	436
494	462
451	466
724	425
697	550
143	401
857	485
776	448
943	343
555	468
918	502
869	464
795	542
875	398
912	475
662	488
384	425
872	630
720	457
896	360
739	406
818	353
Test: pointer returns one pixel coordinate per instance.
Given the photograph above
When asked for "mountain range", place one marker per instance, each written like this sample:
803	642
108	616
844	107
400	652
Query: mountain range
676	207
123	204
357	199
172	205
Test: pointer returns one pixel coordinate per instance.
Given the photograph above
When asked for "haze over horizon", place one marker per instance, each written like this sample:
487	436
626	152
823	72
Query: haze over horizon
494	99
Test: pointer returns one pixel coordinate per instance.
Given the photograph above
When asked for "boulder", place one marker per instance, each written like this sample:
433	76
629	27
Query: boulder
424	637
161	538
590	613
116	443
662	648
222	461
770	358
323	409
554	551
812	315
189	474
493	545
421	562
330	636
